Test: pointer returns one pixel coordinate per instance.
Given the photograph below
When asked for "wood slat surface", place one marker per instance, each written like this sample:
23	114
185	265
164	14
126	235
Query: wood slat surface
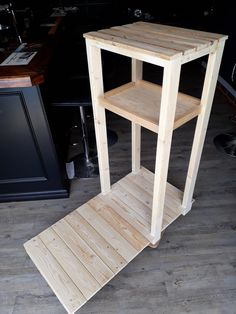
162	41
188	33
140	103
80	253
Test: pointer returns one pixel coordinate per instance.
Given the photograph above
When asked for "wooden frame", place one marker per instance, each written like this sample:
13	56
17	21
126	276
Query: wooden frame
112	228
167	115
210	81
96	83
137	74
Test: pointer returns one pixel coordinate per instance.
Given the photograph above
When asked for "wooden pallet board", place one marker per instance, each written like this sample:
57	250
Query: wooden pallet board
83	251
162	41
140	102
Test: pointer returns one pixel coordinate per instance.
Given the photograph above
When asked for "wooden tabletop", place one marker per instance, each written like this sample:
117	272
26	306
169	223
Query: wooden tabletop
166	42
33	73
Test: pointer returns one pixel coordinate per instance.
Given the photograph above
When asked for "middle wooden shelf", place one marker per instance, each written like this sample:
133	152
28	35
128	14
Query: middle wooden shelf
140	102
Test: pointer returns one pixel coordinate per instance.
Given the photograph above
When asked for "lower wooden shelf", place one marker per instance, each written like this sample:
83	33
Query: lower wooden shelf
83	251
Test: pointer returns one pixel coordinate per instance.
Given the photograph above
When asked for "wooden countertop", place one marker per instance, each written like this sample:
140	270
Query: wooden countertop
33	73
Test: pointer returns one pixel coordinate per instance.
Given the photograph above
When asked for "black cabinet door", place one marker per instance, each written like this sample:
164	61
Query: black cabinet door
29	167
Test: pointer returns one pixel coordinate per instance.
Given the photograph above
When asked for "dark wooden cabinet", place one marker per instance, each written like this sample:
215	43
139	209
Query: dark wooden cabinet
29	166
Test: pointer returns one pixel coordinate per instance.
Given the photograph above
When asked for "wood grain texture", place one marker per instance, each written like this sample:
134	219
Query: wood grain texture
97	232
140	103
155	40
193	269
91	221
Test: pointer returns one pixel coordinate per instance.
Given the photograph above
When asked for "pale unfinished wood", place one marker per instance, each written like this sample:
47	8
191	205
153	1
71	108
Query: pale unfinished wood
116	225
113	237
68	294
208	92
137	74
78	273
135	53
165	38
183	31
94	264
96	83
141	40
166	126
137	45
140	102
123	33
80	253
96	242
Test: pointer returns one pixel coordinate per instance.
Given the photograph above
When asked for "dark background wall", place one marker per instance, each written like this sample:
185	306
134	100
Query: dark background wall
208	15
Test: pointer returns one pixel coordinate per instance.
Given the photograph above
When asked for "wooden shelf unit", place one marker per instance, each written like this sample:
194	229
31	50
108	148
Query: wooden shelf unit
80	253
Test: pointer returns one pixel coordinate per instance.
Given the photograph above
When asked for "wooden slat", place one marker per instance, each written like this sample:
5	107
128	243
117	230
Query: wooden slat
94	264
148	175
70	263
66	291
136	191
140	103
116	240
125	193
123	33
118	223
183	31
125	211
173	196
149	50
184	42
172	207
96	242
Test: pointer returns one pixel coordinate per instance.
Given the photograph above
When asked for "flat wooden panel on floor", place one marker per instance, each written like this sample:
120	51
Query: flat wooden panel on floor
97	232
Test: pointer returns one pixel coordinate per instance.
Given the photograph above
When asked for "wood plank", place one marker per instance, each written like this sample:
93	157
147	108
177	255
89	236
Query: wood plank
148	175
117	241
162	34
96	242
154	41
173	195
70	263
184	31
160	40
138	191
125	211
134	45
121	49
66	291
119	224
139	199
94	264
172	202
171	206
